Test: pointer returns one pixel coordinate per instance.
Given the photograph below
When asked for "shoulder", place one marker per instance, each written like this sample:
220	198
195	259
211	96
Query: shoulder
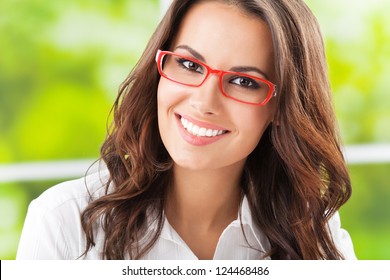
78	191
341	237
52	228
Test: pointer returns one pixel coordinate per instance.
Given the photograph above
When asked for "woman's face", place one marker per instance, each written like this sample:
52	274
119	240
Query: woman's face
224	38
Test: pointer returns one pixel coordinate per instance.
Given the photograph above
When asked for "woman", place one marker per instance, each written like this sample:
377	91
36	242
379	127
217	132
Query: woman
223	146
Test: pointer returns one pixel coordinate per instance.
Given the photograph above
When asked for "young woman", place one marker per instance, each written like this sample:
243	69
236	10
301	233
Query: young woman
223	146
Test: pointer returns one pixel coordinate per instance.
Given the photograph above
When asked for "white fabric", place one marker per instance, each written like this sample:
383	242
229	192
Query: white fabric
52	229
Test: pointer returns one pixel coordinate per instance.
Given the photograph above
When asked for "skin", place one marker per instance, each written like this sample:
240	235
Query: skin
205	195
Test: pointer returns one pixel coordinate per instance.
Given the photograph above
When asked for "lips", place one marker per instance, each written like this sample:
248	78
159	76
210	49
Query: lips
199	130
199	133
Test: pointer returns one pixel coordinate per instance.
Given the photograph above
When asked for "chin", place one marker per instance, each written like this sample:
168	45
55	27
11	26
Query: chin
193	164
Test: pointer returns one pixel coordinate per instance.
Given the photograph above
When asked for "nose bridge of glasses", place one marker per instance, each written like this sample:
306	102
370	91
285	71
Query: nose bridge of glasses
215	72
211	72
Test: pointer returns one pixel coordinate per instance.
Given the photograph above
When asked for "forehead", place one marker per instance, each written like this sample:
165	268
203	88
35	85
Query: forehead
219	31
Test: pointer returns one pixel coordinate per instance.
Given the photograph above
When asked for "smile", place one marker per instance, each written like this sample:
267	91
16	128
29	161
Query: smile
200	131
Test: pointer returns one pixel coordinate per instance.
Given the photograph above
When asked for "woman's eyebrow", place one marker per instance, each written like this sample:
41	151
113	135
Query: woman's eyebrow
197	55
249	69
242	69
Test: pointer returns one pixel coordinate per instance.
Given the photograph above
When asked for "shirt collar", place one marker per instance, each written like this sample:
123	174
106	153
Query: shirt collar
253	236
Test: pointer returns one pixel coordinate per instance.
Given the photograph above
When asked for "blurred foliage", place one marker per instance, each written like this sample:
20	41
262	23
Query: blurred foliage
61	65
62	62
366	215
357	37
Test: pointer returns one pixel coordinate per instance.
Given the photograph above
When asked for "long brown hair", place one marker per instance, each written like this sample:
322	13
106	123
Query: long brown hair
295	179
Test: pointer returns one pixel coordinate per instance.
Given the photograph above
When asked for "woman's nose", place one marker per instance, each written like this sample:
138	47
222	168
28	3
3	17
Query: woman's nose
207	99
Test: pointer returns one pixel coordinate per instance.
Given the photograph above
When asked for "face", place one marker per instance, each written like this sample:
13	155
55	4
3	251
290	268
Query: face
224	38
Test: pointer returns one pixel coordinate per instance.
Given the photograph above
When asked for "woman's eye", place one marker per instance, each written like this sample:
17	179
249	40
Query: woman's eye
191	65
245	82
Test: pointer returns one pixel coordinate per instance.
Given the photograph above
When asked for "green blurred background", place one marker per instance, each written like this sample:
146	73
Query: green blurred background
61	63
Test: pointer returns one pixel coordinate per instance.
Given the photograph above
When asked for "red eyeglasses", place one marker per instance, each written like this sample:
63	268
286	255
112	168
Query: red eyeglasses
238	86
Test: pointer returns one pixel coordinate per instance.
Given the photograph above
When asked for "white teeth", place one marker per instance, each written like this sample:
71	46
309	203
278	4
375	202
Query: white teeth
200	131
194	130
184	122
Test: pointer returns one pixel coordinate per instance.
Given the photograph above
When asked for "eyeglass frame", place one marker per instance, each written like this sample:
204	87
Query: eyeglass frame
220	73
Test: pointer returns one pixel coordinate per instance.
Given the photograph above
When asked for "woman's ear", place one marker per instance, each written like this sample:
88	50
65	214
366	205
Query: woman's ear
275	116
275	121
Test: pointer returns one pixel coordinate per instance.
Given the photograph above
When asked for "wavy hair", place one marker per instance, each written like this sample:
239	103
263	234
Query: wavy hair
295	179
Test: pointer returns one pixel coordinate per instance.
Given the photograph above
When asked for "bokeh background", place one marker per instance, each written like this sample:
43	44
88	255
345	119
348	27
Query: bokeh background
61	63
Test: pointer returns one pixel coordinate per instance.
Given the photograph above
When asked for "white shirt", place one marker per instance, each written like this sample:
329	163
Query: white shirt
52	229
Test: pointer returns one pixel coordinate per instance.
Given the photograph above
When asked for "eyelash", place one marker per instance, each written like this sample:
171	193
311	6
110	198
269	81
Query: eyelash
254	85
181	62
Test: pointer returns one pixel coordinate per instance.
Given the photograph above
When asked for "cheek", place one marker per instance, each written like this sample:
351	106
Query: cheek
168	98
252	122
252	131
164	100
168	95
160	96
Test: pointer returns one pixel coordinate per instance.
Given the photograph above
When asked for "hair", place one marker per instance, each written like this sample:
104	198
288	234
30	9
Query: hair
295	179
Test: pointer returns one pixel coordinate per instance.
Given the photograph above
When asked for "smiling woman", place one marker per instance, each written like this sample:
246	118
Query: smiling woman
223	146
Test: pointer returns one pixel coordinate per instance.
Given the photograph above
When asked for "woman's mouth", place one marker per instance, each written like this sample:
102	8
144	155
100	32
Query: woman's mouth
199	130
199	133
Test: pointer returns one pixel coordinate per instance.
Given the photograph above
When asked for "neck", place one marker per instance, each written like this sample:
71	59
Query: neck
208	199
201	204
